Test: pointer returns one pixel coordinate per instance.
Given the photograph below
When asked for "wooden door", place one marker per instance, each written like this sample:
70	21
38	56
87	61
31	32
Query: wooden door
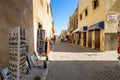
79	38
97	39
84	38
90	39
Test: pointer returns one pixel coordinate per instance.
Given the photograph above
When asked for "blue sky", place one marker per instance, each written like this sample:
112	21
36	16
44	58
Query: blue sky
62	10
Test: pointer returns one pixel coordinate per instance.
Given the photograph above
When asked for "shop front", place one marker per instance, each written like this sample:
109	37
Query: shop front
95	36
79	40
80	35
90	38
84	38
84	31
76	36
97	39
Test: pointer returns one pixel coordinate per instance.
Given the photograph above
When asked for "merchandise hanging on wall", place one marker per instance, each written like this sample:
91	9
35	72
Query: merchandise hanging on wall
40	41
17	54
4	74
32	60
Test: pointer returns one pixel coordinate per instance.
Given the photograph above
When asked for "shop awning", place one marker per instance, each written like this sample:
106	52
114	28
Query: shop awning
83	29
99	25
76	30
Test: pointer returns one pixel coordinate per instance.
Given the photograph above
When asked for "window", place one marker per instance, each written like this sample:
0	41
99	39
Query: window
86	12
47	8
80	16
95	4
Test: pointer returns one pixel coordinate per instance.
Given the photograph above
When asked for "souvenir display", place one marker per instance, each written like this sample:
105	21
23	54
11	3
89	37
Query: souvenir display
31	59
17	54
40	40
27	67
4	74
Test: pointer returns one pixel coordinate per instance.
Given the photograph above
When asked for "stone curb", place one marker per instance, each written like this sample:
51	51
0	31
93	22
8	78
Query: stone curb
44	76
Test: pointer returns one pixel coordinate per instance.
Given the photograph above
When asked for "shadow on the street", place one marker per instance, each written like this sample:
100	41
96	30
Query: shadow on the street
83	70
69	47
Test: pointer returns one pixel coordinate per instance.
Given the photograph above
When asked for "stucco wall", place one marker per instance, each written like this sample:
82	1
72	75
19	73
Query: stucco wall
14	13
111	41
93	16
41	16
112	6
108	34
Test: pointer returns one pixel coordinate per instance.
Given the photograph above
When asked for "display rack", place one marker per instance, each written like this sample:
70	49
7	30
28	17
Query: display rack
17	54
40	41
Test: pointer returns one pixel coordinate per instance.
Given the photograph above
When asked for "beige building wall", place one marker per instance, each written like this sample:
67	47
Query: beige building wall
114	9
63	33
14	13
94	16
73	26
40	15
111	26
108	34
25	13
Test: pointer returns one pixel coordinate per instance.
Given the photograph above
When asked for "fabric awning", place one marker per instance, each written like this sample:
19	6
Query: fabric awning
76	30
99	25
81	29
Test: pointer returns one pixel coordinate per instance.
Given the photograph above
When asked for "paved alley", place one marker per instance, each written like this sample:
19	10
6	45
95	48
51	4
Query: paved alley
73	62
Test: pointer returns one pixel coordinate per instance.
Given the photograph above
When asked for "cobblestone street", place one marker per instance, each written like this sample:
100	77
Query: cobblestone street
72	62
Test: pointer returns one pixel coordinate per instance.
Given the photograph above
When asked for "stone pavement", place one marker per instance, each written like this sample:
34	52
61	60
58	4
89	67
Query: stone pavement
38	71
34	72
70	62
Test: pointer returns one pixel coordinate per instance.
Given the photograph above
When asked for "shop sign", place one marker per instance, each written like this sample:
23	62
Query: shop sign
85	28
112	17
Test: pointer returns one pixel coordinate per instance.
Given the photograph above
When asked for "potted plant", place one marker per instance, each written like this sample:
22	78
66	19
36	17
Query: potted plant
37	78
45	64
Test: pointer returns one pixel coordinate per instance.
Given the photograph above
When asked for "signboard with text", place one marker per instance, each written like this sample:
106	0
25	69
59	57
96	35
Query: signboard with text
112	17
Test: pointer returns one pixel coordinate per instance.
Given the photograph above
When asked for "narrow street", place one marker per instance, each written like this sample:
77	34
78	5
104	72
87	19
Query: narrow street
73	62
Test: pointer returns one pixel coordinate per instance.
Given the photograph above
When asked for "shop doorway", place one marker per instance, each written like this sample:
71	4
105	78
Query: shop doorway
97	39
84	38
90	39
79	38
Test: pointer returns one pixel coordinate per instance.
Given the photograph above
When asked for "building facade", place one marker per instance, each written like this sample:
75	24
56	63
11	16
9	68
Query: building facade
73	27
97	24
42	18
101	32
30	14
13	14
63	34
